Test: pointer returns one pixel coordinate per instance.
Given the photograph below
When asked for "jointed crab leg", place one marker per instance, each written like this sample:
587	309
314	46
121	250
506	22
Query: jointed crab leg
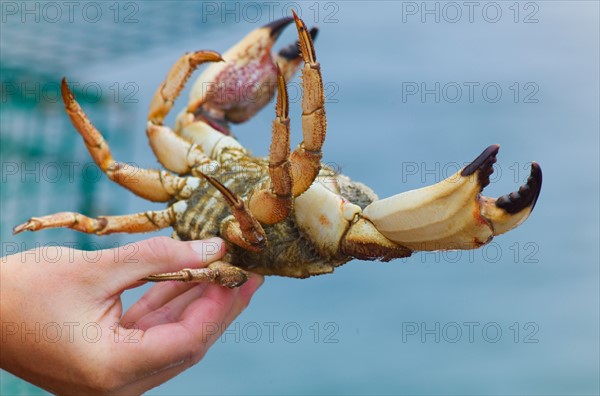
242	228
290	57
169	90
171	150
218	272
270	206
102	225
149	184
190	149
306	158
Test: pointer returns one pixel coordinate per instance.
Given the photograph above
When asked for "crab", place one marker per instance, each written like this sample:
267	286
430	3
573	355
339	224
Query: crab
287	214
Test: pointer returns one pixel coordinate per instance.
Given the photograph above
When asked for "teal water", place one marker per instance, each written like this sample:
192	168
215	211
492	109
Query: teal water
531	298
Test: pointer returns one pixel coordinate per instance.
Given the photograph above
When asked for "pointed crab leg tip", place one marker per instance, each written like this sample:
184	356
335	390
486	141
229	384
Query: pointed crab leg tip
66	93
209	56
483	164
229	196
276	27
527	194
292	51
305	42
27	226
280	79
282	106
299	22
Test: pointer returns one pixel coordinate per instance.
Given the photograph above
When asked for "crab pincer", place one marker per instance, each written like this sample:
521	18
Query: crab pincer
452	214
235	90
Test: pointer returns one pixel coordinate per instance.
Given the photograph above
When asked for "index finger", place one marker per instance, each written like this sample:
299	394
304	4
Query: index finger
184	343
157	255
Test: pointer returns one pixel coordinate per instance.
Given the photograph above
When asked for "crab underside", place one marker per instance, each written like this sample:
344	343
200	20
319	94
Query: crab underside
286	214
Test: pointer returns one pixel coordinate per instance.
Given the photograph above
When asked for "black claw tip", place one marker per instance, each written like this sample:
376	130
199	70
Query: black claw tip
527	194
276	27
484	164
293	50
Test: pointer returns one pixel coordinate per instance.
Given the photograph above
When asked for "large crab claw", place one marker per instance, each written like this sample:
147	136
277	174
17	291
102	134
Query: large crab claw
452	214
235	90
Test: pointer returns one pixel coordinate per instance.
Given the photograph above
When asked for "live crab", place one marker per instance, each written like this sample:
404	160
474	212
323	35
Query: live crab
287	214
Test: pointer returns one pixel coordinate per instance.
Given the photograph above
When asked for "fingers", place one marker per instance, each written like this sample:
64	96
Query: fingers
159	295
184	343
183	362
155	255
241	302
171	311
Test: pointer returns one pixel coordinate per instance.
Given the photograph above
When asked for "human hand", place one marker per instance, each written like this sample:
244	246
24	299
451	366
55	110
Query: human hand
63	327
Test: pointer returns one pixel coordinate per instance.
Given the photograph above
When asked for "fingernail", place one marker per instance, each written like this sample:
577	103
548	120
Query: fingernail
209	248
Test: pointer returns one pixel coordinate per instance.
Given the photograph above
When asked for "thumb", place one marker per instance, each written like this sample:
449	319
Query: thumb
161	254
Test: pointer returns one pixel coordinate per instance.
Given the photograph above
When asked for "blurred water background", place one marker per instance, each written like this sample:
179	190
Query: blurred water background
518	317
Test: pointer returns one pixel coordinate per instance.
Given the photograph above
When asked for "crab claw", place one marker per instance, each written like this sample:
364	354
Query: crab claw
452	214
235	90
510	210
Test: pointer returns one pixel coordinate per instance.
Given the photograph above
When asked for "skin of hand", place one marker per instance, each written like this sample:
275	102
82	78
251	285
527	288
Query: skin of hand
63	326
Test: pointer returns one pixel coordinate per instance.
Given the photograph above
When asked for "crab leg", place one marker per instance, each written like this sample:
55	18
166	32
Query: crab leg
169	90
290	57
270	206
172	151
153	185
190	149
306	158
233	91
218	272
102	225
242	228
452	214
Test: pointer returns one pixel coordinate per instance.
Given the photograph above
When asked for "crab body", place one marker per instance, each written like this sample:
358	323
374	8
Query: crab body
296	248
287	214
